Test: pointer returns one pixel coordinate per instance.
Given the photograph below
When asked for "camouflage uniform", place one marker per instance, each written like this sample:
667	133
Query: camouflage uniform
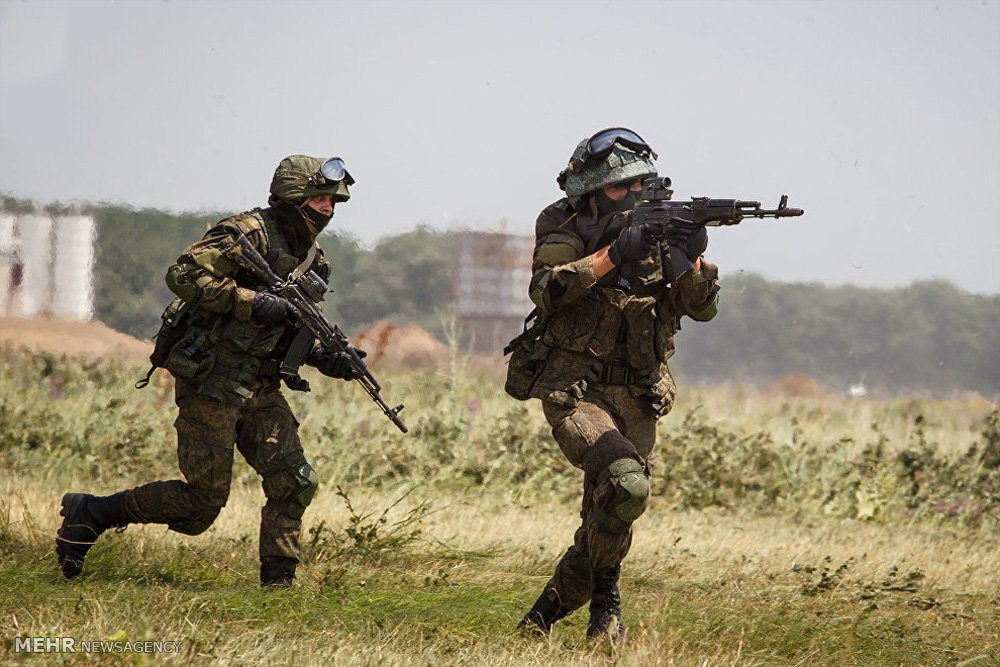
594	329
224	352
597	359
228	394
266	434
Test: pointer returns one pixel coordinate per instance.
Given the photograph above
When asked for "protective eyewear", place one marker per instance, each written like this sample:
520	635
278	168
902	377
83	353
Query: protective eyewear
601	143
331	171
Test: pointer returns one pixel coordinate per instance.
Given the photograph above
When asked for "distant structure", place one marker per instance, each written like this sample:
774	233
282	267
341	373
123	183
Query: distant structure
47	265
73	267
11	269
490	286
35	232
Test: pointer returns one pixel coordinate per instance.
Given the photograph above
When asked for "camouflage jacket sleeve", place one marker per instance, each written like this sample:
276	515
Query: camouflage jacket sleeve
560	271
203	277
696	293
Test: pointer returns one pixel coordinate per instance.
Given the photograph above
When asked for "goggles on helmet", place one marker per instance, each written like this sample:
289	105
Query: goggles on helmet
331	171
602	142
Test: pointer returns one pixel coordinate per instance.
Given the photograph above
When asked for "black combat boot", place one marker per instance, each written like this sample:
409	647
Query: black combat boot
278	573
85	518
605	606
544	614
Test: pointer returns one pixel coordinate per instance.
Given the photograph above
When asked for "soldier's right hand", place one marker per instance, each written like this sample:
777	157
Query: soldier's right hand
633	243
271	310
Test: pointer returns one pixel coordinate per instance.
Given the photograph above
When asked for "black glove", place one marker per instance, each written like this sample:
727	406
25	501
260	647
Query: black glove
633	243
338	364
690	238
272	310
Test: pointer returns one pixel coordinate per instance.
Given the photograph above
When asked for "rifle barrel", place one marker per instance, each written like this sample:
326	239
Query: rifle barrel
774	213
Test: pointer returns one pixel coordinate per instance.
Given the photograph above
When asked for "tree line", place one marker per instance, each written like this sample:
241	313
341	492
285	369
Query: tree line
930	337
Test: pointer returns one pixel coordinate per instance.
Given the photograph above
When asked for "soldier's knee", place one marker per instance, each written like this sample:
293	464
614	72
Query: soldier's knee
631	495
299	494
613	460
199	521
631	487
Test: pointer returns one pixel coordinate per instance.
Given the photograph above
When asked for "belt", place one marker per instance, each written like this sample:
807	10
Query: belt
617	372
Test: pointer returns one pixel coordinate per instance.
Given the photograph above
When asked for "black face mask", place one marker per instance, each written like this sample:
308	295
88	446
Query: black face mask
606	204
297	227
314	220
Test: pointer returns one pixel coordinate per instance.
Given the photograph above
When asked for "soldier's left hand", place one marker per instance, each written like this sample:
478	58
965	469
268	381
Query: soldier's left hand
339	364
691	239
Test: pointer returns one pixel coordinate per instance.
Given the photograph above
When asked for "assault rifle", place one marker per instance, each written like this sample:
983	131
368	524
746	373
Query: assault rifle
304	292
659	210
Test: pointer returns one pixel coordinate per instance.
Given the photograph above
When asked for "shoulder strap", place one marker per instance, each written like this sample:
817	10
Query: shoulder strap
306	263
598	233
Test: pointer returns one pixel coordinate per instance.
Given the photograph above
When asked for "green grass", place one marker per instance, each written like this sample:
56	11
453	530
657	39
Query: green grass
433	606
783	531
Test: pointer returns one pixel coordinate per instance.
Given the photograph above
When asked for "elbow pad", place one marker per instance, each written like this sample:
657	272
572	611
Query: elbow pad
179	282
707	311
547	291
700	292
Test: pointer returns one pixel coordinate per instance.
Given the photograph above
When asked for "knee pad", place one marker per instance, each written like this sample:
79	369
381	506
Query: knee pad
306	480
628	477
197	523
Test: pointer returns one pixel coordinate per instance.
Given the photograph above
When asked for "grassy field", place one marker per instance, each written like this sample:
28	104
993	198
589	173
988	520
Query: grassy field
783	530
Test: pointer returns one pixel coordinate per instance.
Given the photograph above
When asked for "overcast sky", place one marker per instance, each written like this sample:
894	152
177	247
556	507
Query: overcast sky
881	119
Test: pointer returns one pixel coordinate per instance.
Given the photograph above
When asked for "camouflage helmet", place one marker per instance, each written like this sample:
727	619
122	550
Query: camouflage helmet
299	177
620	163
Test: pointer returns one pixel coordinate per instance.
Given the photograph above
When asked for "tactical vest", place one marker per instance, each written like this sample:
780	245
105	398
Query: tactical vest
231	360
613	334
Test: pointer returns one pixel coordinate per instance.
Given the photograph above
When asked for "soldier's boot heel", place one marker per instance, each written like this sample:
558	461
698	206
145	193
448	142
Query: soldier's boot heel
605	606
85	518
543	614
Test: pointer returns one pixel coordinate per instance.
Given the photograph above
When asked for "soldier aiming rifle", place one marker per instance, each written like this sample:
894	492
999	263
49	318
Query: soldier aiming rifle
617	265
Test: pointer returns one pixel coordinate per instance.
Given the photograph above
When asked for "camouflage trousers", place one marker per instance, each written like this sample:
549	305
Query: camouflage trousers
608	423
266	434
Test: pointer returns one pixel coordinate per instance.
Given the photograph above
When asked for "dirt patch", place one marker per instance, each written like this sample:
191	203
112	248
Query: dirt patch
799	385
75	339
409	346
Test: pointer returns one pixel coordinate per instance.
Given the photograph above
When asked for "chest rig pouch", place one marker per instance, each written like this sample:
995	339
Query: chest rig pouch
527	357
228	357
529	351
